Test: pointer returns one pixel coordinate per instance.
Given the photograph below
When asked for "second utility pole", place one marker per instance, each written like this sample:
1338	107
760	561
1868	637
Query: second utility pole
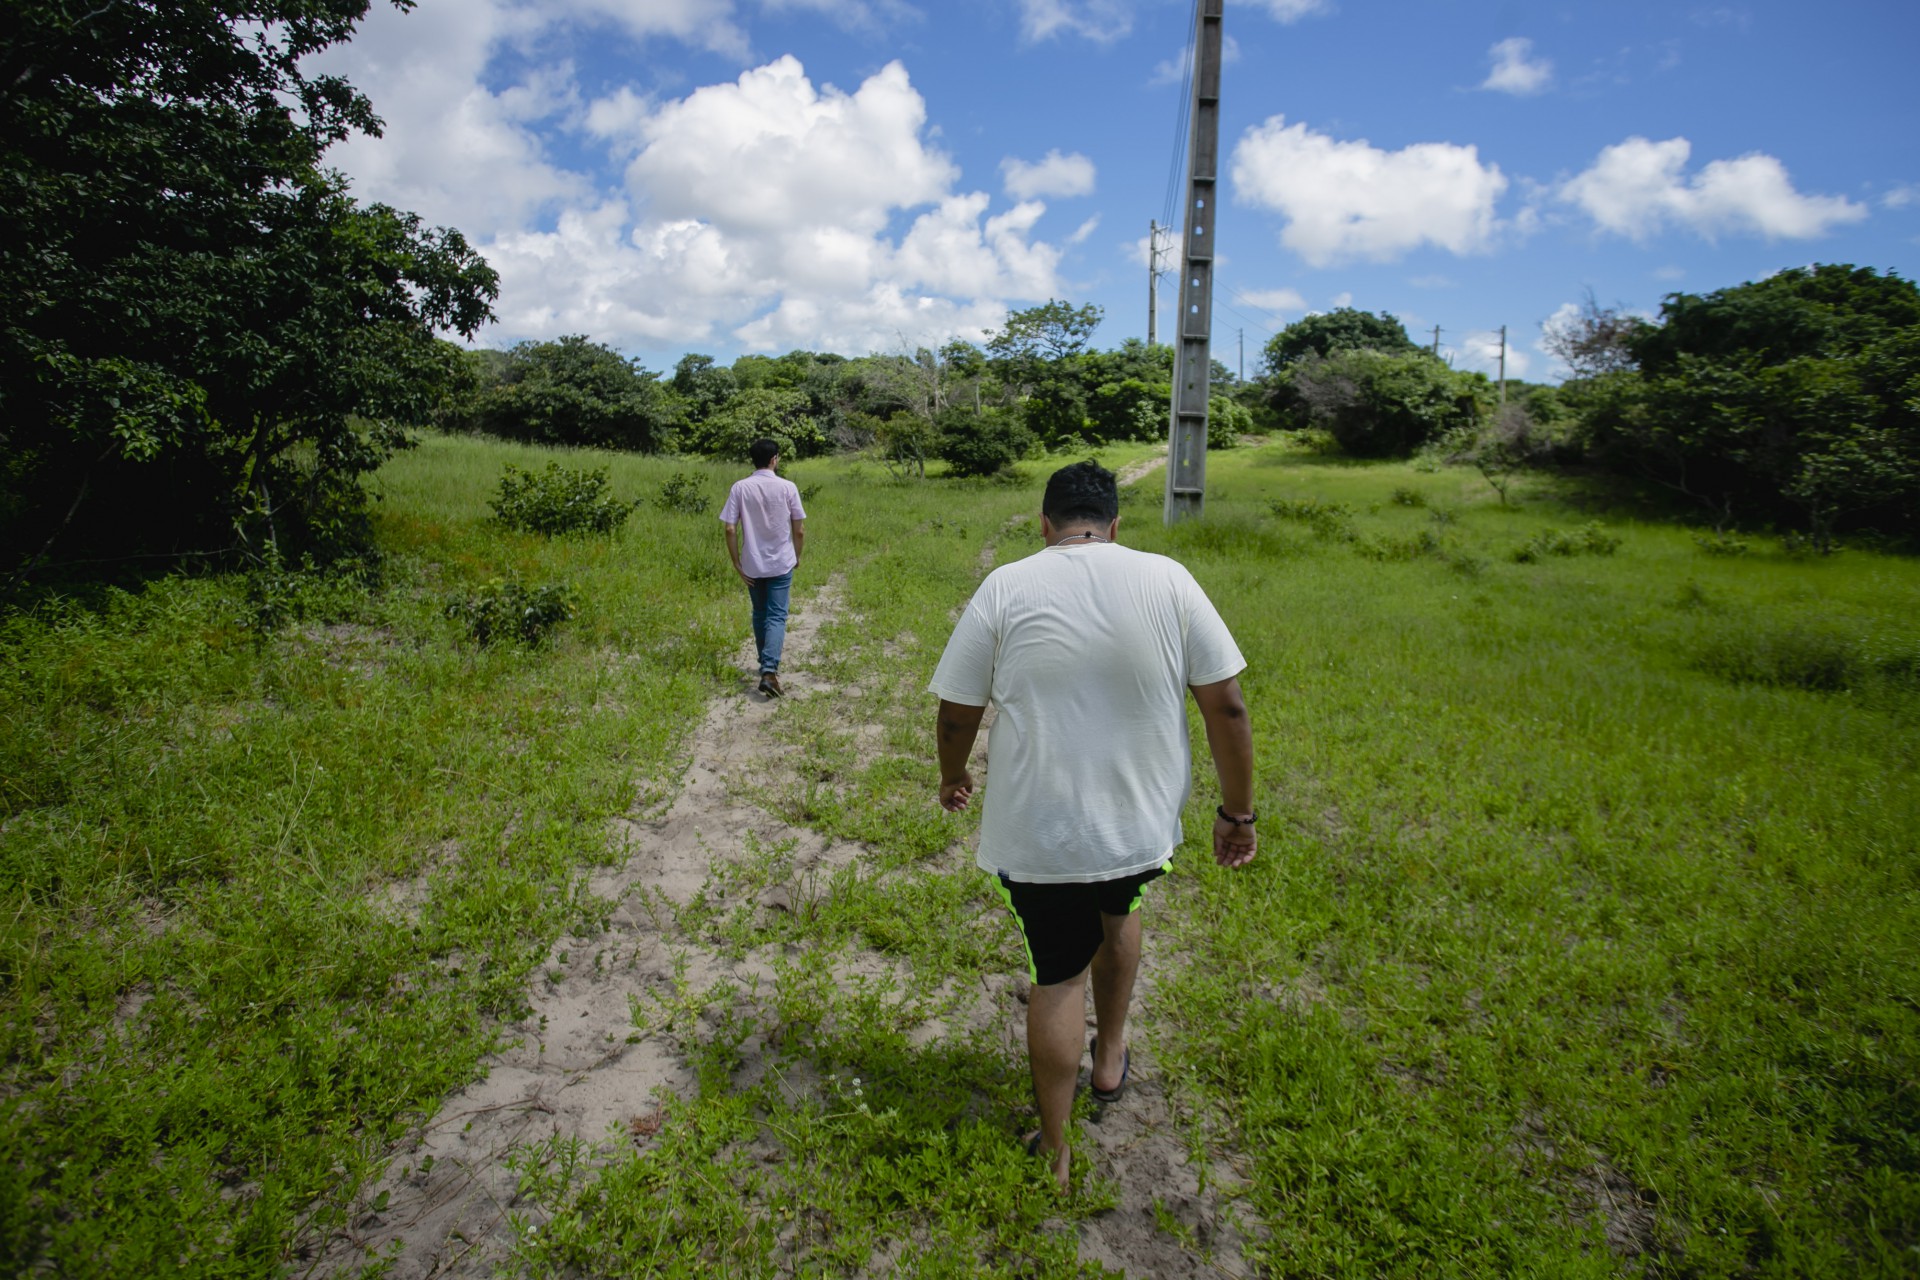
1187	432
1153	282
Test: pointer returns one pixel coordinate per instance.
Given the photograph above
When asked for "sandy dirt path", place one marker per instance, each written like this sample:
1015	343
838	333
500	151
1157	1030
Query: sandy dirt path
1145	466
574	1065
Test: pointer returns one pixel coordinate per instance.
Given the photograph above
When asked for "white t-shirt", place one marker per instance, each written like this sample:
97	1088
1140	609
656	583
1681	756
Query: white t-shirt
1087	651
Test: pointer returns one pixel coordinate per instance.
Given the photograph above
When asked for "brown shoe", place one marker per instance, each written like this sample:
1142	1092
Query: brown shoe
770	684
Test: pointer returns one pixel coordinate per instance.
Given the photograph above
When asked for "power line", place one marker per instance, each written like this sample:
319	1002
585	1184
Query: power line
1234	311
1182	117
1273	316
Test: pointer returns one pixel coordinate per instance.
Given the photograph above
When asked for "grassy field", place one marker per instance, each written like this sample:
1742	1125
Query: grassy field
1582	942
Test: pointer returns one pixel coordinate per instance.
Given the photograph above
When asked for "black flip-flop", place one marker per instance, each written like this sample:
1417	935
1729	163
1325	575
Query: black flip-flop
1107	1097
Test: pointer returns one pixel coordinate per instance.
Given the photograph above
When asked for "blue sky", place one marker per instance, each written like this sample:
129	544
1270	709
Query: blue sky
731	176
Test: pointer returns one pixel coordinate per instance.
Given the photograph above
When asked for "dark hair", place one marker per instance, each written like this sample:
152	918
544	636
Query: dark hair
764	451
1080	494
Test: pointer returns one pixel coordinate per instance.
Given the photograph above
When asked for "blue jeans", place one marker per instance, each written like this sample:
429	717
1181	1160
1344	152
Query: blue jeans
769	596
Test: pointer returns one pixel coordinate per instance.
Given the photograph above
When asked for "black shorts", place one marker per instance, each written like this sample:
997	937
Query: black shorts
1061	922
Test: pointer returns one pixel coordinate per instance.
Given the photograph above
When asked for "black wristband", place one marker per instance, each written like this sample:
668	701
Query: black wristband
1247	821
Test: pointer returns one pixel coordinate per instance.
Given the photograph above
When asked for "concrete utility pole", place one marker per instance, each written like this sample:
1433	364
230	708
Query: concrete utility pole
1503	366
1243	354
1436	342
1187	432
1153	281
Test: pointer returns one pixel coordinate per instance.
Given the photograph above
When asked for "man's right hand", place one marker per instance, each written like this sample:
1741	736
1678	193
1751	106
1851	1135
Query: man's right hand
1234	844
955	795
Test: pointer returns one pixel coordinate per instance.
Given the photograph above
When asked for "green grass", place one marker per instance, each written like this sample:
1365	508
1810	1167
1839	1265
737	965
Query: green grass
1588	893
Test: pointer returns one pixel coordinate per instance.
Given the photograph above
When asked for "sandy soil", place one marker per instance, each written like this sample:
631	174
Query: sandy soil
1134	470
571	1070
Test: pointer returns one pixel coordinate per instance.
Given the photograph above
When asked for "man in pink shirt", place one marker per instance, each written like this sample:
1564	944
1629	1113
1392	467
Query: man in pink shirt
765	528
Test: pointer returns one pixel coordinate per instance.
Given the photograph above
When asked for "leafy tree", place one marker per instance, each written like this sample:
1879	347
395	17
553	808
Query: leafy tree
1128	410
1052	331
576	392
1792	398
1227	421
704	385
1376	404
1500	446
206	342
966	367
905	440
756	412
1031	340
1822	311
1344	329
980	444
1595	341
1056	412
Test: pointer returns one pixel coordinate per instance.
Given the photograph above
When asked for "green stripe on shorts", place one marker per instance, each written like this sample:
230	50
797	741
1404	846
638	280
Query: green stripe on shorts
1006	896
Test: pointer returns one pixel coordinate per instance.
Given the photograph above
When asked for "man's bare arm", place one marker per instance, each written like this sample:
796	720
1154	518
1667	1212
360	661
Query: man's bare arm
954	730
733	551
1230	736
799	539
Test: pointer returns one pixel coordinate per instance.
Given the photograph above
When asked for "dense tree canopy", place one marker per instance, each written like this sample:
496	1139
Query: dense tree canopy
1379	404
1794	398
1343	329
572	392
199	319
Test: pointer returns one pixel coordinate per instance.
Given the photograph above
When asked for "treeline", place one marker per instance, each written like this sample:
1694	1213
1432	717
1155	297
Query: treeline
1037	383
206	342
1791	402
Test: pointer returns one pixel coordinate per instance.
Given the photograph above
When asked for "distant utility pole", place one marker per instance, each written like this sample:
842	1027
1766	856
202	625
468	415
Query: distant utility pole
1243	354
1503	366
1187	431
1153	281
1436	342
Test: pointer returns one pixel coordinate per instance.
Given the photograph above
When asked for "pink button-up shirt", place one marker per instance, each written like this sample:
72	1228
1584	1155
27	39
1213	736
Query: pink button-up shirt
764	507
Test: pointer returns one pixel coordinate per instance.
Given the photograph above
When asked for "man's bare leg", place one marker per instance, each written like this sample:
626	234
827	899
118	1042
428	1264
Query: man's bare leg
1114	968
1056	1016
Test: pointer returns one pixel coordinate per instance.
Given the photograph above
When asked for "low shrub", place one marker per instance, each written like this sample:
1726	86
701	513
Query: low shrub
1327	519
558	501
981	444
1588	540
685	493
1423	543
1720	544
1812	657
278	594
1406	497
507	609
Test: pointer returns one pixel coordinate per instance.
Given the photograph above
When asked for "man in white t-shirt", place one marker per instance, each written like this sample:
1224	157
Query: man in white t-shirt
765	528
1087	650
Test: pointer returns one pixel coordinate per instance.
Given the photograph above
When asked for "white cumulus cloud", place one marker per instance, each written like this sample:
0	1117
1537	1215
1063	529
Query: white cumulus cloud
1294	10
770	151
766	211
704	23
1481	352
455	152
1639	187
1348	200
1515	70
1102	21
1054	175
1275	301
